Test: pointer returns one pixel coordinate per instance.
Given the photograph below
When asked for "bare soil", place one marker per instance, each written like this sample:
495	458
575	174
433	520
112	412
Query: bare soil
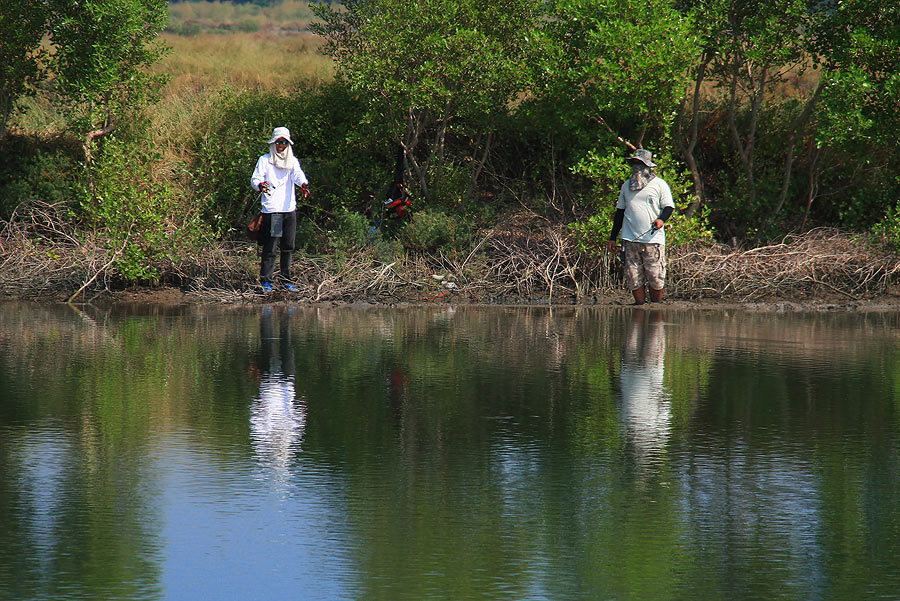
832	303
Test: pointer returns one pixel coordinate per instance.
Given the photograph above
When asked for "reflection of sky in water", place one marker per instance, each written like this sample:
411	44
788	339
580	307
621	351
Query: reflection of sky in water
518	468
281	540
277	422
42	457
227	537
740	497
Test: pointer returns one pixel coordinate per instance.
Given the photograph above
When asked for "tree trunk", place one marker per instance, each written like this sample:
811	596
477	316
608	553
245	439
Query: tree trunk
814	154
415	123
797	128
746	146
687	151
476	173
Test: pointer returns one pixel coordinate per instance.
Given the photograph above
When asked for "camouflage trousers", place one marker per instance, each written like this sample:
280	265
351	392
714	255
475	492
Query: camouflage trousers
645	263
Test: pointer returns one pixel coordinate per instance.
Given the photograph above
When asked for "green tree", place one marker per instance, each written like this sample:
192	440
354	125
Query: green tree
426	65
857	121
618	68
102	51
792	81
749	47
628	60
22	27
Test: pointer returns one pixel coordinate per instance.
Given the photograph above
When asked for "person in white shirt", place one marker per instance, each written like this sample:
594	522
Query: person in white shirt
276	174
645	203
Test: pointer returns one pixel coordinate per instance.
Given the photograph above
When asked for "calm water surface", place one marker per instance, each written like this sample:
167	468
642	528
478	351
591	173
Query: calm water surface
437	454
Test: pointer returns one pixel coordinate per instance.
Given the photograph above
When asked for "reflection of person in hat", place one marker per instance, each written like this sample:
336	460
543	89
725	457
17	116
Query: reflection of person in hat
277	415
276	174
645	203
646	404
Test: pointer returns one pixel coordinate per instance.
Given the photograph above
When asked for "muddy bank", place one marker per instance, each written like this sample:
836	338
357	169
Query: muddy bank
619	299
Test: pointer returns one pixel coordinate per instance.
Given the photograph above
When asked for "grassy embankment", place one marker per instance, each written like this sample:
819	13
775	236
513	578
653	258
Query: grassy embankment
217	45
200	66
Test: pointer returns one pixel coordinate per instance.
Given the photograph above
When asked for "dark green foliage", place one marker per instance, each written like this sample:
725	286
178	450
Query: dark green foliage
31	168
343	166
887	231
142	217
350	231
798	113
434	76
847	184
22	27
103	51
436	231
527	105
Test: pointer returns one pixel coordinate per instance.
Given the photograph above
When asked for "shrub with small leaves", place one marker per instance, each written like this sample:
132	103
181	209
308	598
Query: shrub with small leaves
430	230
350	231
887	231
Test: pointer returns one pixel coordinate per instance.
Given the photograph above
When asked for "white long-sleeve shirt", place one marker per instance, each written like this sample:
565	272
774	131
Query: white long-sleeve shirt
281	197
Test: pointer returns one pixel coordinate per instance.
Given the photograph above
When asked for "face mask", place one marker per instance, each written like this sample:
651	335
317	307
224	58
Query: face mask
281	159
640	176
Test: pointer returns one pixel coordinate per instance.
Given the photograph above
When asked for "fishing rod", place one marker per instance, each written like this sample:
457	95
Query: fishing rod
250	203
653	228
269	188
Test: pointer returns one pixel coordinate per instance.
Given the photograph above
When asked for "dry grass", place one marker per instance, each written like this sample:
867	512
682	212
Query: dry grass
201	66
43	256
821	262
289	15
242	60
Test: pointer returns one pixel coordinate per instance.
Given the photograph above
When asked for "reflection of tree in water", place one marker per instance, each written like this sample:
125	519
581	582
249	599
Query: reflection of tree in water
79	513
646	408
277	418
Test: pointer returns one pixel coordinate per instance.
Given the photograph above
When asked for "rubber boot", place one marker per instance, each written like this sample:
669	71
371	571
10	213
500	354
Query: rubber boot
640	296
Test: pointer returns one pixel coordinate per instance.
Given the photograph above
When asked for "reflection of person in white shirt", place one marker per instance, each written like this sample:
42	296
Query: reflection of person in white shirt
646	409
277	417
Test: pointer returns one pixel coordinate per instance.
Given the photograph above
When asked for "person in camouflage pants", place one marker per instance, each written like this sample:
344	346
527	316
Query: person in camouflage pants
644	204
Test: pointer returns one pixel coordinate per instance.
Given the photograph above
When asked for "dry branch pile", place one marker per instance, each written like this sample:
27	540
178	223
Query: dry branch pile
820	262
43	256
41	253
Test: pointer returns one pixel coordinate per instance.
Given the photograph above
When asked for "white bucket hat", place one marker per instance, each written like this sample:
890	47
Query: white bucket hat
644	156
281	132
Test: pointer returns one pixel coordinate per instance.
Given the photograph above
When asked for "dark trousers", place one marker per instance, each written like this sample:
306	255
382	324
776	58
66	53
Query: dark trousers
268	242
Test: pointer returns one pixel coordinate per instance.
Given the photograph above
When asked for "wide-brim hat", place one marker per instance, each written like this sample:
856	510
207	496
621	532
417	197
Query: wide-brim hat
644	156
281	132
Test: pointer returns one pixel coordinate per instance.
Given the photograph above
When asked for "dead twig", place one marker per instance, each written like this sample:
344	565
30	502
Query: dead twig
105	267
529	259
